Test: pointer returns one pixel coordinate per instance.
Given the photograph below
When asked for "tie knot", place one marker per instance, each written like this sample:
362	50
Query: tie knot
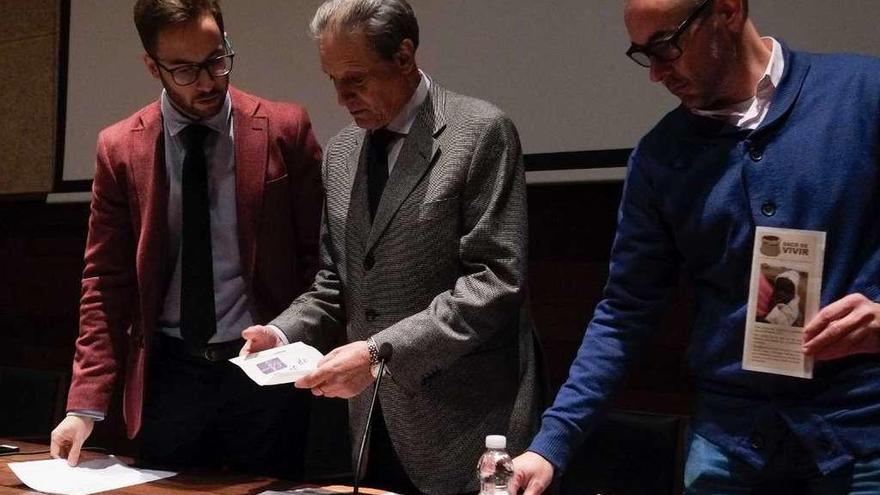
380	138
194	135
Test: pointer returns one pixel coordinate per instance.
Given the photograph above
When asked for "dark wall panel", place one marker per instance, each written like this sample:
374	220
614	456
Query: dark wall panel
41	249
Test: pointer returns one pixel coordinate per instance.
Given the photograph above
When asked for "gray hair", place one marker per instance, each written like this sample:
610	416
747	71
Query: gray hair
386	23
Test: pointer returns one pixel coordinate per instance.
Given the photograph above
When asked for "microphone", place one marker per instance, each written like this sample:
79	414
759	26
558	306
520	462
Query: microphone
385	351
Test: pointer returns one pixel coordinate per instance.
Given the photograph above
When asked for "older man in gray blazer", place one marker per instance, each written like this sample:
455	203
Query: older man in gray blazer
423	247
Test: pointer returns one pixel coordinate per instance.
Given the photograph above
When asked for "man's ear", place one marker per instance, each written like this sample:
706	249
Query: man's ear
733	13
151	65
405	58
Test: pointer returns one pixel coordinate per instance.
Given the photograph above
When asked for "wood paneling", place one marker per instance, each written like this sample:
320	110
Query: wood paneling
28	98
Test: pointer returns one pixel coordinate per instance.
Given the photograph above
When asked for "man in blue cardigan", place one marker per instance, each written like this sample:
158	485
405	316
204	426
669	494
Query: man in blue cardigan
765	136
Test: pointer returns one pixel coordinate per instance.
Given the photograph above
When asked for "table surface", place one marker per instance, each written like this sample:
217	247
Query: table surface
195	483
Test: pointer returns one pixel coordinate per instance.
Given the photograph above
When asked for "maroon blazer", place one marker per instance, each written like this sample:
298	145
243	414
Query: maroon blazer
279	200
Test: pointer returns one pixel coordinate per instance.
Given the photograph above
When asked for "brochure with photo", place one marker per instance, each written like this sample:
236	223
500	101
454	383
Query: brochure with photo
786	282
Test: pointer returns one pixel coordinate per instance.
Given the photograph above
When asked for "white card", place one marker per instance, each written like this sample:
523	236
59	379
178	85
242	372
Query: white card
285	364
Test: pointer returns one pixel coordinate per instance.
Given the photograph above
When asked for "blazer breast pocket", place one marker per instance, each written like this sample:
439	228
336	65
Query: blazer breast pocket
441	208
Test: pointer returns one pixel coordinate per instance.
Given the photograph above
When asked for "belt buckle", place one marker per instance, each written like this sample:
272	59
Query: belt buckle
209	353
214	352
219	352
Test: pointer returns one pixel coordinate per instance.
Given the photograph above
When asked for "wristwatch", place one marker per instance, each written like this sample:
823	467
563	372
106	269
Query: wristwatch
374	357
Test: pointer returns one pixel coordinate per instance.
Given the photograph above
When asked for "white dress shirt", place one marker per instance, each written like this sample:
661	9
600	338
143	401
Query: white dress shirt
402	123
231	298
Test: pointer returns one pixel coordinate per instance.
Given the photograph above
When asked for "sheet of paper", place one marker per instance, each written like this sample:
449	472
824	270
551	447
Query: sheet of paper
97	475
786	283
285	364
326	490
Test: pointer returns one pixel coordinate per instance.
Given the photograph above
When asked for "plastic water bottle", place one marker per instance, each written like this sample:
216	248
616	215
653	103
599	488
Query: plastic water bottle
495	467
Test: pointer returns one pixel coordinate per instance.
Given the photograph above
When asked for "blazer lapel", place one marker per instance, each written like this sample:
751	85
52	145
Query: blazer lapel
355	204
357	213
251	144
420	147
150	220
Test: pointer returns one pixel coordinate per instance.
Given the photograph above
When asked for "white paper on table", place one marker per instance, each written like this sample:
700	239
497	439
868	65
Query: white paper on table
285	364
785	258
335	490
97	475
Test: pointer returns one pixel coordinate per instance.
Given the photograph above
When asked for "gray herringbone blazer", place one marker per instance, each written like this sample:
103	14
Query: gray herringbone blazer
440	274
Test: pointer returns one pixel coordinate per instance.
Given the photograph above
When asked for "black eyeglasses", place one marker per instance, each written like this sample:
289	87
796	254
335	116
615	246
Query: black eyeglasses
665	49
185	75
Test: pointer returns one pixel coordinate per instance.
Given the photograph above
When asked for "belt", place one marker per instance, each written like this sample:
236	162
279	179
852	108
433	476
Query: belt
214	353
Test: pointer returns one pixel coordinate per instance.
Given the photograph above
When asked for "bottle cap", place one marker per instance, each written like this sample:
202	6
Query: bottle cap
496	442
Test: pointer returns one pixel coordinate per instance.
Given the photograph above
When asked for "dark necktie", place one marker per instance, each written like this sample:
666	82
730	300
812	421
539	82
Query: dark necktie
377	166
198	321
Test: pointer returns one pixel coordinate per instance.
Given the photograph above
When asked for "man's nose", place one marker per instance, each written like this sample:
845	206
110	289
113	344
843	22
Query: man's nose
205	81
658	70
342	95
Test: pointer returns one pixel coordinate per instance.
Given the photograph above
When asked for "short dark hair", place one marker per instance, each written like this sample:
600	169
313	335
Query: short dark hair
386	23
151	16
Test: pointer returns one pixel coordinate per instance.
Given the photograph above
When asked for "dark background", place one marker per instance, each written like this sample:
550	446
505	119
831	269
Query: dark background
571	230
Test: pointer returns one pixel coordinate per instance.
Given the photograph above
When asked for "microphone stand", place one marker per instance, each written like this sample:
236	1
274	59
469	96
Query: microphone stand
384	355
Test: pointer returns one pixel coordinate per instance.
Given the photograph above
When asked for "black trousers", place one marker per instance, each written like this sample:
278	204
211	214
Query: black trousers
204	414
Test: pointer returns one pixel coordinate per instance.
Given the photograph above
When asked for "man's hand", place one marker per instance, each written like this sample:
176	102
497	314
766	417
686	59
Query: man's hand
68	438
531	473
848	326
344	372
259	338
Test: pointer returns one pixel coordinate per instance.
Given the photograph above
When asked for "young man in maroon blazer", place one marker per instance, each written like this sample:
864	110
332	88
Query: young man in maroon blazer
204	221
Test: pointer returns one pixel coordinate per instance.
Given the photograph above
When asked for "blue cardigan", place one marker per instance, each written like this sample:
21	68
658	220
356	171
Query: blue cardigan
696	188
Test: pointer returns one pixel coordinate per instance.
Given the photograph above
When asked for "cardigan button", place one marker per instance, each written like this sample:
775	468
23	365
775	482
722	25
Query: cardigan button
768	209
757	440
756	154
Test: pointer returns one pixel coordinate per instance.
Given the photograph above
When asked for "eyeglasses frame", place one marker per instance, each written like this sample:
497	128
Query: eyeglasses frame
230	54
671	38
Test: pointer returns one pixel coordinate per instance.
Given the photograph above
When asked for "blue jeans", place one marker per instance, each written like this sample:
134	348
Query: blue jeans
709	470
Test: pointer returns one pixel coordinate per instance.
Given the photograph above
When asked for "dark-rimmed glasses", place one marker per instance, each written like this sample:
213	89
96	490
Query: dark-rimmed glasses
665	49
185	75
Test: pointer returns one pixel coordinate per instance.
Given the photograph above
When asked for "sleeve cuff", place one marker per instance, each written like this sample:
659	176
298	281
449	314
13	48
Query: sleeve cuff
873	293
95	415
554	446
279	334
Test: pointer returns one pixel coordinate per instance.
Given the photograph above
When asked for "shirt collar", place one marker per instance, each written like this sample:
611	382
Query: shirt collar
773	73
777	63
764	90
175	121
404	120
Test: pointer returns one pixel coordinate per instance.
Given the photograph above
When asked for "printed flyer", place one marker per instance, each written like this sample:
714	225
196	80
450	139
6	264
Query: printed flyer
786	282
